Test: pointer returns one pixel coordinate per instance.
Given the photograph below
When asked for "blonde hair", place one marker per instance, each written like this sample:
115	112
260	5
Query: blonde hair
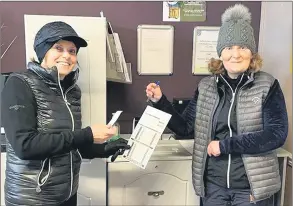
216	66
32	59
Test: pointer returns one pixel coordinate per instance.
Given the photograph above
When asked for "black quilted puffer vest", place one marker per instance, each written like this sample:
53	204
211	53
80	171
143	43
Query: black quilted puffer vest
55	179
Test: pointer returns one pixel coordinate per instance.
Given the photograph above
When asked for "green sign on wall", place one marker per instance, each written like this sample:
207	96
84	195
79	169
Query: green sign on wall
184	11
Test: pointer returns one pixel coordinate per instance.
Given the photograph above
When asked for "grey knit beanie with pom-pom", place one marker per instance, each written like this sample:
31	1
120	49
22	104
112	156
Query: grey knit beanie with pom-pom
236	29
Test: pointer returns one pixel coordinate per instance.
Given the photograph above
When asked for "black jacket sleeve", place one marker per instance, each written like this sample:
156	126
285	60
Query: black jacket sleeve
93	151
180	124
274	132
20	125
104	150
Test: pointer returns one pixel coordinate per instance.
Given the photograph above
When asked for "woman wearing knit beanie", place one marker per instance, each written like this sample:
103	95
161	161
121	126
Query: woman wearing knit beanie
238	117
42	111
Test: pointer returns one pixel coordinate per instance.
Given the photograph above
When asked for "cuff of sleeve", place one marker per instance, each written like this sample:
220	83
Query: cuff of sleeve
161	102
224	146
98	151
83	137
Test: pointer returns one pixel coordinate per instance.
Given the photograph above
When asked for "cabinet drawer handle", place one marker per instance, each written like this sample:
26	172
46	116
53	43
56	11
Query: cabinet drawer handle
156	193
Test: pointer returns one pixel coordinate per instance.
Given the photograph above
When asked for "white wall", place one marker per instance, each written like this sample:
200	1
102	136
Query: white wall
275	46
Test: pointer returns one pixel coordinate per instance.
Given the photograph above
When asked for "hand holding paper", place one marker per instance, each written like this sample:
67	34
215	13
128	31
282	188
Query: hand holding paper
102	133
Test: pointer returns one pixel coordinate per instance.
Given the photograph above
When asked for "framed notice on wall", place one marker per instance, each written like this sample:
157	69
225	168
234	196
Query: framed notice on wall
155	49
204	48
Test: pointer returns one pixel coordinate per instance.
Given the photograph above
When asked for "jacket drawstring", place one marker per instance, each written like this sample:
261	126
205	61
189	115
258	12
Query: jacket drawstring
44	179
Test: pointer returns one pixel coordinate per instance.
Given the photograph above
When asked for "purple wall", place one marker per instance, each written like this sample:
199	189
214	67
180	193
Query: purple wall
124	17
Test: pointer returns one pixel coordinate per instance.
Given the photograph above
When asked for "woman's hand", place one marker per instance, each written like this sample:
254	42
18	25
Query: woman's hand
153	92
102	133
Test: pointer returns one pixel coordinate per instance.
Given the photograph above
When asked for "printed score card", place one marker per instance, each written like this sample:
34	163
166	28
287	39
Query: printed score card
146	135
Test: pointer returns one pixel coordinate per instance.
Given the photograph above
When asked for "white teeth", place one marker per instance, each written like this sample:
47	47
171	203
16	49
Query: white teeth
63	63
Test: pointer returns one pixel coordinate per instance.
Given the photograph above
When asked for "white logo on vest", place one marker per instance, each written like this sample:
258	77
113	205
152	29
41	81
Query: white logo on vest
255	100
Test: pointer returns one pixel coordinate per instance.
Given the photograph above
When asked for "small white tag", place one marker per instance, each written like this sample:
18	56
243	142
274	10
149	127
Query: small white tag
114	118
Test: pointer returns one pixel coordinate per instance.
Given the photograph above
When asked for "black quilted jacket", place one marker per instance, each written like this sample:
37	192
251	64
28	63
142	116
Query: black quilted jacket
42	122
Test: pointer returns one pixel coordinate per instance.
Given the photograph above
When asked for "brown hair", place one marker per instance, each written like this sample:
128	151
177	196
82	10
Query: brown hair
216	65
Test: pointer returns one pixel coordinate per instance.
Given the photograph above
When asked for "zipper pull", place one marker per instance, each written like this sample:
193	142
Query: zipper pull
38	189
233	96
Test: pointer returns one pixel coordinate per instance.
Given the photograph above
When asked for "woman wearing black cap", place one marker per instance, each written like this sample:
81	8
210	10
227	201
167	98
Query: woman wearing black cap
41	109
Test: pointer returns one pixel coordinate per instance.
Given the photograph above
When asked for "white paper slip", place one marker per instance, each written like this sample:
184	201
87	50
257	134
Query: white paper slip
114	118
146	135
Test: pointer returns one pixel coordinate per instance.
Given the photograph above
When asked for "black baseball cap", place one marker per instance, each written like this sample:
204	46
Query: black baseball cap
57	30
